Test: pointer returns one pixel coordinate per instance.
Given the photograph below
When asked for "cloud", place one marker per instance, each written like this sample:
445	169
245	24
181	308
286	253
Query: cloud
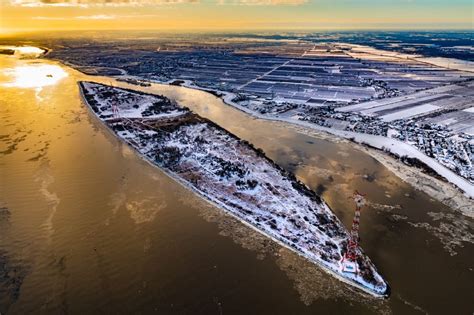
79	17
48	18
95	17
88	3
262	2
120	3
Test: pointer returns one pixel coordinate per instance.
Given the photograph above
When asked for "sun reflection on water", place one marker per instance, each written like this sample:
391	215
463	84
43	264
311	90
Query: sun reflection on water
25	50
34	76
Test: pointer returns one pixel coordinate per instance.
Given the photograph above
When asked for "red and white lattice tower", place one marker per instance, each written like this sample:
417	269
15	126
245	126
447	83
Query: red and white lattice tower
349	261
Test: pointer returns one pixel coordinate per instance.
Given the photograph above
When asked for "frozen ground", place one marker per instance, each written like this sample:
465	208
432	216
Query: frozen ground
234	175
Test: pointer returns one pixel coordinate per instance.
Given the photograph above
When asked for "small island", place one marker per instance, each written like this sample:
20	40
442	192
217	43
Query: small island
232	174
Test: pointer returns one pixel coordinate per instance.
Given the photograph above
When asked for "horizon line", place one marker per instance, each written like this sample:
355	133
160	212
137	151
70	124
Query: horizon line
237	30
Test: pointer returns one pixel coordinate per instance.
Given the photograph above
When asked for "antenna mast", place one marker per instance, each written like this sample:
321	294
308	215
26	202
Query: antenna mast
349	261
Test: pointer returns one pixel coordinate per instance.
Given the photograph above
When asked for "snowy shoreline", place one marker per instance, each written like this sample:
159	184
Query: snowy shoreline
326	266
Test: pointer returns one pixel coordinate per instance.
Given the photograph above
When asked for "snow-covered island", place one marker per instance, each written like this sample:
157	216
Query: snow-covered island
232	174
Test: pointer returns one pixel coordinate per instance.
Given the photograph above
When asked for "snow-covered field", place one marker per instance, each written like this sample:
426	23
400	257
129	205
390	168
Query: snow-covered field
232	174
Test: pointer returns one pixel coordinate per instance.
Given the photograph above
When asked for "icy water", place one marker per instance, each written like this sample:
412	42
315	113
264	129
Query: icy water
86	226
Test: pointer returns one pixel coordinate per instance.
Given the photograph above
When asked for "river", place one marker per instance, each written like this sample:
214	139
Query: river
86	226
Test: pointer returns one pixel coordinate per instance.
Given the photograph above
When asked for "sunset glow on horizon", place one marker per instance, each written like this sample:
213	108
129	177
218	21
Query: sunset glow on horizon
216	15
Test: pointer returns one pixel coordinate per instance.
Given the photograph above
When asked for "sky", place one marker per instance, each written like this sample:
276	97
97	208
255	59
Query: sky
228	15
